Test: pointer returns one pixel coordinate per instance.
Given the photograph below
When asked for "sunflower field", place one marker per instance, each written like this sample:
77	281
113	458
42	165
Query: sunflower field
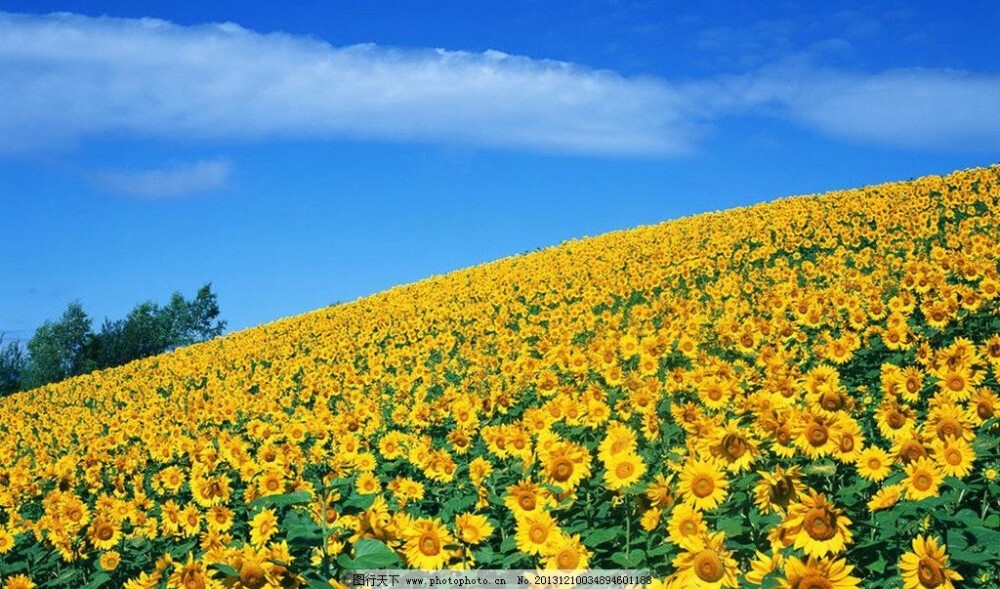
800	394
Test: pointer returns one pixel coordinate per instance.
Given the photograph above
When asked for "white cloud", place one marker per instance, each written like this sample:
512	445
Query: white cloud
175	181
66	78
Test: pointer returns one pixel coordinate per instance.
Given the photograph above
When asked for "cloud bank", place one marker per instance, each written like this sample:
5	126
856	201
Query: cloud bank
66	78
178	180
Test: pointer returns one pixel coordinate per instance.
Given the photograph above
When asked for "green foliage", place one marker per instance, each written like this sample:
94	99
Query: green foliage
12	364
69	347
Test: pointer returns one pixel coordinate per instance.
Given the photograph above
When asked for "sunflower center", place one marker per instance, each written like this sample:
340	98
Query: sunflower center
526	501
953	456
912	385
847	443
956	383
948	427
105	532
783	436
813	582
689	527
782	490
734	446
251	575
874	464
922	481
895	419
192	579
817	434
562	469
831	401
912	451
820	524
929	573
624	470
984	409
538	534
429	545
708	566
568	560
714	393
702	486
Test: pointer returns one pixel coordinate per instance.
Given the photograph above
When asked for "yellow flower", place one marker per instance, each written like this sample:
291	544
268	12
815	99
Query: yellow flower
686	526
104	534
472	528
954	456
923	479
818	573
818	526
425	544
775	491
874	463
926	566
623	470
109	560
703	484
707	566
6	540
885	497
566	553
19	582
263	526
535	532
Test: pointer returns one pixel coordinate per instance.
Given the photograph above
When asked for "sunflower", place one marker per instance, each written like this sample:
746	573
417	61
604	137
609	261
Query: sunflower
885	497
566	553
927	566
619	439
104	534
472	528
686	526
425	544
659	492
703	483
566	464
763	565
818	526
815	435
6	540
775	491
536	532
706	566
191	575
19	582
874	463
733	445
818	573
263	526
527	497
624	470
271	482
954	456
367	483
895	420
714	394
923	478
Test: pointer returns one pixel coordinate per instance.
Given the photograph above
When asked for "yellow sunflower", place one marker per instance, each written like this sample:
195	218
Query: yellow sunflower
104	534
566	553
472	528
536	532
527	497
885	497
927	566
686	526
566	464
707	566
874	463
954	456
263	526
775	491
425	544
818	573
703	483
818	526
623	470
923	479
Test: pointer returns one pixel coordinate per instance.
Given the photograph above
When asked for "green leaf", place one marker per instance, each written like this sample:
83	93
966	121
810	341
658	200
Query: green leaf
732	526
370	554
294	498
225	569
362	502
602	535
879	565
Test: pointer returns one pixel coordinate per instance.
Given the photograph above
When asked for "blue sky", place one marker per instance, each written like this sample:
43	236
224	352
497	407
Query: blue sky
298	154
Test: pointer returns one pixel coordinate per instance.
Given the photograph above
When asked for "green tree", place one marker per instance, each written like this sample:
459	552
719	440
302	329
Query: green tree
60	350
12	364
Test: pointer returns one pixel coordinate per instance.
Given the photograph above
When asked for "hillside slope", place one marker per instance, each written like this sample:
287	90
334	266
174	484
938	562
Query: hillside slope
762	395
